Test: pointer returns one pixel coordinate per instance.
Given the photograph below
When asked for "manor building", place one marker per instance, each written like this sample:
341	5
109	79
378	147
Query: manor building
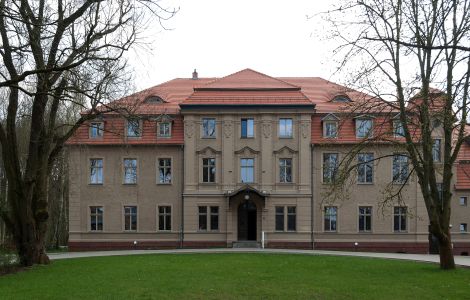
245	160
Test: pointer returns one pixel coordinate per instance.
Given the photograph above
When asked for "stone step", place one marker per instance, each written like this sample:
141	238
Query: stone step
246	244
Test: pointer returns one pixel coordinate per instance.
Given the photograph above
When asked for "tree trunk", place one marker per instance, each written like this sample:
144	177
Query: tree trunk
30	247
446	253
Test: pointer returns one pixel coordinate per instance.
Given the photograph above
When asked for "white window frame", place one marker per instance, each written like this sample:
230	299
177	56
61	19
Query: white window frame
401	215
130	215
165	168
360	128
325	126
208	121
325	215
284	132
96	216
365	215
334	171
397	125
209	167
463	227
99	168
133	169
401	166
167	127
135	133
463	200
366	165
99	127
165	214
285	164
247	167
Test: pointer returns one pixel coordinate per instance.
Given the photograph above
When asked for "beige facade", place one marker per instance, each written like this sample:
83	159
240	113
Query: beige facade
222	175
266	147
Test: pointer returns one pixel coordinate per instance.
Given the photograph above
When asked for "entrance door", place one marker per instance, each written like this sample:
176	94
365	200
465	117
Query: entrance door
247	221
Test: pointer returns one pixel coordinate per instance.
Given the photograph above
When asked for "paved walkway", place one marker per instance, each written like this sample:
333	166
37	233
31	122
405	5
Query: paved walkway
459	260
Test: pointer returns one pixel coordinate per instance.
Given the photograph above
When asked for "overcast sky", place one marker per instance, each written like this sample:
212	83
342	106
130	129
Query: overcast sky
222	37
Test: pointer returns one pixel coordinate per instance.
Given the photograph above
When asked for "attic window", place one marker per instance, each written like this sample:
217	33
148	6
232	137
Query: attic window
341	98
154	99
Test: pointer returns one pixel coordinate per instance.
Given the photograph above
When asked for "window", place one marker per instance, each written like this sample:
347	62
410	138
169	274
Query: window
330	129
96	129
164	170
96	218
285	170
279	218
164	129
463	227
282	219
208	128
331	214
330	166
202	217
96	171
214	217
399	219
398	130
436	150
164	218
130	171
247	166
400	168
463	201
285	128
363	128
133	128
291	218
248	128
130	218
365	218
365	167
208	170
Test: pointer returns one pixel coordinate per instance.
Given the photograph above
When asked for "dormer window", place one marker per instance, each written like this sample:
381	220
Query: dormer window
133	128
154	99
398	130
330	126
341	98
364	126
164	129
96	130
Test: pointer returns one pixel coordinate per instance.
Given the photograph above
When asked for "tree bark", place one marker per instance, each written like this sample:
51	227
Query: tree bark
446	254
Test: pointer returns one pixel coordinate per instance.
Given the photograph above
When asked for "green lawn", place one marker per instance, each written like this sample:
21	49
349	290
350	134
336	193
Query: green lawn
235	276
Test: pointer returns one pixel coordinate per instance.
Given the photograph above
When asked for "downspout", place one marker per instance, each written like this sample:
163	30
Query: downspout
182	199
311	200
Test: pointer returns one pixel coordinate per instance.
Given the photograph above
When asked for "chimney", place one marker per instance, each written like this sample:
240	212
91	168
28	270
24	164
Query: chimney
195	75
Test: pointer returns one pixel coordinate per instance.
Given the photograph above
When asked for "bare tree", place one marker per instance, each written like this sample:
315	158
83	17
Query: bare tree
403	51
57	54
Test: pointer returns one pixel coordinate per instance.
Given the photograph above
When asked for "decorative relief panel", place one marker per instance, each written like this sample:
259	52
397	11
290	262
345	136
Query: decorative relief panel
266	127
227	129
304	130
189	129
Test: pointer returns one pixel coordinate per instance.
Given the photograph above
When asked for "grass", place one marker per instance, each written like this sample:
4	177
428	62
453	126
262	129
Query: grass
235	276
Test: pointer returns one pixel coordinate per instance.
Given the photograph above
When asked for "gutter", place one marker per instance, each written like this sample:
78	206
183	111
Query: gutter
311	191
182	201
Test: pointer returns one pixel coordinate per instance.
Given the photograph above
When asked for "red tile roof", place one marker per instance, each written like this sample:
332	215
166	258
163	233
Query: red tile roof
247	87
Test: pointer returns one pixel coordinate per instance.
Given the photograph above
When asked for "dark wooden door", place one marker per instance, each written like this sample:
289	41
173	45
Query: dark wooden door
247	221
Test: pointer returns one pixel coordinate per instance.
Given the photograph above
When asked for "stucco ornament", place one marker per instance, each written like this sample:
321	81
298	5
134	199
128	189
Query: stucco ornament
189	129
266	130
227	129
304	129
